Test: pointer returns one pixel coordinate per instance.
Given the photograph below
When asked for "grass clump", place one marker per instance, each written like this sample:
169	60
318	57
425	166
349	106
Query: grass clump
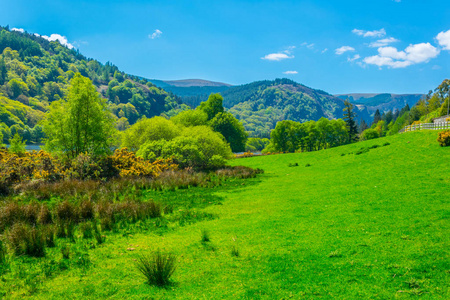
157	267
235	251
206	236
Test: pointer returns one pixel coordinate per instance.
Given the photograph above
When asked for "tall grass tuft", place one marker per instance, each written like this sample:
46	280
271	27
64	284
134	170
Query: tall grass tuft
3	253
157	267
26	240
205	235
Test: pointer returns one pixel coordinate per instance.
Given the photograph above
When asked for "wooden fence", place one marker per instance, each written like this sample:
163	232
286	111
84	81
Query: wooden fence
426	126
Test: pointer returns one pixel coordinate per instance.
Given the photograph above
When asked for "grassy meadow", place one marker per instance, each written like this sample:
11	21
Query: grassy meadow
345	223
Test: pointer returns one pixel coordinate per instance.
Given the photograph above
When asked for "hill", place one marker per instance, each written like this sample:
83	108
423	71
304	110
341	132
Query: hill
348	226
260	105
34	72
383	102
192	91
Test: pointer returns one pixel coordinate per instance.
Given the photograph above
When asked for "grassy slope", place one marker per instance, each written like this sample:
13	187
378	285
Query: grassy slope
374	225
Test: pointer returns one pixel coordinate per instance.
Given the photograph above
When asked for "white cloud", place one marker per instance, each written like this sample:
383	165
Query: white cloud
324	50
309	46
60	38
18	29
156	34
366	33
413	54
277	56
344	49
290	72
383	42
355	57
280	55
444	39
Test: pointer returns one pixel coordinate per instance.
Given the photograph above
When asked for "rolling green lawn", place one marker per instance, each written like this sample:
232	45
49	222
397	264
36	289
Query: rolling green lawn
374	225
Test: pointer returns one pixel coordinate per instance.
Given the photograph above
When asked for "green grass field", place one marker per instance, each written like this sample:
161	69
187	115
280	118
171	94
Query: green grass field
373	225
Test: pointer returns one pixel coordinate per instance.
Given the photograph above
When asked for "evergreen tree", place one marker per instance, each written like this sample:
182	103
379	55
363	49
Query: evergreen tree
3	71
362	126
376	117
349	118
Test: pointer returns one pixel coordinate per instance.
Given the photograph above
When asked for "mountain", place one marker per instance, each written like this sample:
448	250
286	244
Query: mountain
384	102
192	91
260	105
34	72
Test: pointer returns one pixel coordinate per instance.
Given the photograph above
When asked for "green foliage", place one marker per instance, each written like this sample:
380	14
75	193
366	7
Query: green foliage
17	145
260	105
212	106
198	147
233	131
36	73
188	118
147	130
82	124
369	134
256	144
290	136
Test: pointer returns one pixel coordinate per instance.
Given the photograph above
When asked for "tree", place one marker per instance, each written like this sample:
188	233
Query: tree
287	136
349	118
212	106
3	71
362	126
80	124
191	117
233	131
376	117
146	130
17	145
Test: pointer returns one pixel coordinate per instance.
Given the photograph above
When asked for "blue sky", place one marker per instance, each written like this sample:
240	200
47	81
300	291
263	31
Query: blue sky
397	46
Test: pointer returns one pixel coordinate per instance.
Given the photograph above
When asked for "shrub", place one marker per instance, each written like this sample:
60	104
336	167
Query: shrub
444	138
197	147
369	134
157	268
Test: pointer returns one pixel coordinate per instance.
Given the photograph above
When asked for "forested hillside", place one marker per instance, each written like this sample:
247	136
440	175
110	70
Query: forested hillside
35	72
260	105
383	102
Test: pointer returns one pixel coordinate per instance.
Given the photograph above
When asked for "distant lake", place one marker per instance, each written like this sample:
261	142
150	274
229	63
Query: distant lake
31	147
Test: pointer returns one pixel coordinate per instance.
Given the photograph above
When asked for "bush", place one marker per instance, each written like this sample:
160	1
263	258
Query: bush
157	268
198	147
444	138
369	134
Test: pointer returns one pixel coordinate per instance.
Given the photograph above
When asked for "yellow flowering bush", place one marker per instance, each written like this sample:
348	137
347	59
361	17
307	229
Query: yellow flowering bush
131	165
444	138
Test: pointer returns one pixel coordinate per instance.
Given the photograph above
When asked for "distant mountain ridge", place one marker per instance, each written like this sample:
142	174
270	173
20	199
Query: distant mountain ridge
382	101
191	83
192	91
